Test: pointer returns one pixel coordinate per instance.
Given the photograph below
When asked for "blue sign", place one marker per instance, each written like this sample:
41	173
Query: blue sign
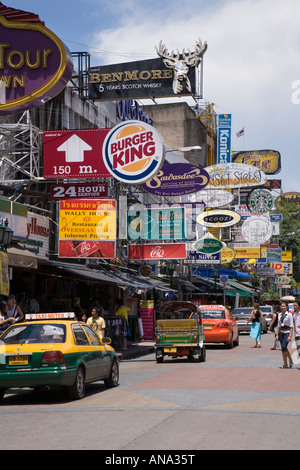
224	138
276	217
223	278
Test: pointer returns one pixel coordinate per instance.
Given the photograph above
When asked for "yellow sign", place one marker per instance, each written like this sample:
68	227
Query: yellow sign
4	277
247	253
286	256
86	219
227	255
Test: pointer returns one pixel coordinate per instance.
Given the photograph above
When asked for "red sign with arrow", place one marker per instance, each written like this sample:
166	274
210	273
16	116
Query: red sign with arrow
74	154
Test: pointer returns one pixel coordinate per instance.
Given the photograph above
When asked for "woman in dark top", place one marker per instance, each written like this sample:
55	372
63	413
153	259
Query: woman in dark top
256	317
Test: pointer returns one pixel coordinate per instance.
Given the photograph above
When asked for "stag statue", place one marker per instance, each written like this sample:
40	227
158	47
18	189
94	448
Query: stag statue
181	66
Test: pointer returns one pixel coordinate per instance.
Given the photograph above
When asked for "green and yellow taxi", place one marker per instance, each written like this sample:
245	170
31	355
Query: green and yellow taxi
55	350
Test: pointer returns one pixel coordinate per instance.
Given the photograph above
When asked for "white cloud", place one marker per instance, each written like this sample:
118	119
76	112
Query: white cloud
253	58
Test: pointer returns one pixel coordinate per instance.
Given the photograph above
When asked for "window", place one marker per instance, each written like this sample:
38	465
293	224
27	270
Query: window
35	334
94	339
80	336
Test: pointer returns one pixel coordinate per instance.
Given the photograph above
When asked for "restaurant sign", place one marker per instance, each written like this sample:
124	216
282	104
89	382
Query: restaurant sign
218	218
208	245
34	63
177	180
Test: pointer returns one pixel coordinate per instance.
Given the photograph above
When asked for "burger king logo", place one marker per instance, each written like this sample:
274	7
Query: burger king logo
133	152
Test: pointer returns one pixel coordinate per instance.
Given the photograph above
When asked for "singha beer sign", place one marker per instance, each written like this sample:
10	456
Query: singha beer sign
172	74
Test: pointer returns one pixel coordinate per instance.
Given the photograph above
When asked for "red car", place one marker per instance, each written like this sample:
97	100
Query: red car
219	325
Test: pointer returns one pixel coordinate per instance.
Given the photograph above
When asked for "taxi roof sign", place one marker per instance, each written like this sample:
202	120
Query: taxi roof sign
50	316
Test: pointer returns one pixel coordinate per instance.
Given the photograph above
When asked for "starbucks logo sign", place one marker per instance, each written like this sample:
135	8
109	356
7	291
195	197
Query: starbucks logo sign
260	201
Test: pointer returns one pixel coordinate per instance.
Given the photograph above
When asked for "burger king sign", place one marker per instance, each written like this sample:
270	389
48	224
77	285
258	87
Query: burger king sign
133	152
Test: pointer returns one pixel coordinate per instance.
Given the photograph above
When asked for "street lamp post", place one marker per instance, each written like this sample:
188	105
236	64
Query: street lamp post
6	234
171	267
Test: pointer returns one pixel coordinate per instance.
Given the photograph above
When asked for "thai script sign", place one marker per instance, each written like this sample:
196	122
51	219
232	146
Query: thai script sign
177	180
133	152
34	63
234	175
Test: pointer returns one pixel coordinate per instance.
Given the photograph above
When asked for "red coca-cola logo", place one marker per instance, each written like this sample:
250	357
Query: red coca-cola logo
157	252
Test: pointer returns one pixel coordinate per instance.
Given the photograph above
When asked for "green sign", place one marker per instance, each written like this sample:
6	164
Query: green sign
156	224
208	246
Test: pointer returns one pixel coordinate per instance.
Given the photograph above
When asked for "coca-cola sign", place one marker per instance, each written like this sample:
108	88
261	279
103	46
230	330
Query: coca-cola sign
157	251
87	249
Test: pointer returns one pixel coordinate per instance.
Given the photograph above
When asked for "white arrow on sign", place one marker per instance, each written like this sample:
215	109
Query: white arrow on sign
74	148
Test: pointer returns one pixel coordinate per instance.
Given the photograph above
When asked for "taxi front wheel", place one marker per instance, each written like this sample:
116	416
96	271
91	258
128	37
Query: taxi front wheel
2	393
77	390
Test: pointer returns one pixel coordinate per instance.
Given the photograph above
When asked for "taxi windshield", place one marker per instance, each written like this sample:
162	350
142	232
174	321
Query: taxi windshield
35	333
213	314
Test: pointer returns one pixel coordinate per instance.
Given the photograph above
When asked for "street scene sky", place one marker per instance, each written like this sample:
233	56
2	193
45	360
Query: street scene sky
251	67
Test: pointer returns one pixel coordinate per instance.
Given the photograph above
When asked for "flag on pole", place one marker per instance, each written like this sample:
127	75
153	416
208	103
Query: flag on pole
240	133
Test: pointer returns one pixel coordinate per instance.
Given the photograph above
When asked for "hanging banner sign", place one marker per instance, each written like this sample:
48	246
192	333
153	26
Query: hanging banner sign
224	138
269	161
74	154
218	218
177	179
133	151
234	175
35	64
208	245
158	251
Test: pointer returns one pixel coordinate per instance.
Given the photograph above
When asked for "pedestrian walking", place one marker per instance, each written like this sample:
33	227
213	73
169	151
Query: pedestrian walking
255	332
284	334
274	324
96	323
296	318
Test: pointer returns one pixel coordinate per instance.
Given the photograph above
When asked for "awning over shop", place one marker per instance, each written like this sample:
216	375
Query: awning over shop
81	270
209	272
19	258
246	291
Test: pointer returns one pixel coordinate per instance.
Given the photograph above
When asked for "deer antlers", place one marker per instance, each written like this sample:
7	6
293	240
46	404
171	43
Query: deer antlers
190	58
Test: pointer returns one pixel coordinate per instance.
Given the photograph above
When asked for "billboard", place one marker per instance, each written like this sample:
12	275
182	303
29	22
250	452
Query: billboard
35	64
269	161
156	224
172	74
157	251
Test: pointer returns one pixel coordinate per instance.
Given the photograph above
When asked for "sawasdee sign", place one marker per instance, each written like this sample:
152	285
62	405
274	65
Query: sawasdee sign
34	63
133	152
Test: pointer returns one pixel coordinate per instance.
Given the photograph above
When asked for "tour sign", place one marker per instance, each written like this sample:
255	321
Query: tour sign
34	63
133	152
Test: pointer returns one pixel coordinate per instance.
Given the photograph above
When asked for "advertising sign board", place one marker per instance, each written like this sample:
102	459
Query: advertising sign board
235	175
156	224
215	197
177	180
224	138
35	64
133	151
78	190
218	218
157	251
257	229
269	161
74	154
260	201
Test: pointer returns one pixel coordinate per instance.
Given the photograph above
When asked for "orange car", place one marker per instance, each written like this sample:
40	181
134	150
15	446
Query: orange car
219	325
